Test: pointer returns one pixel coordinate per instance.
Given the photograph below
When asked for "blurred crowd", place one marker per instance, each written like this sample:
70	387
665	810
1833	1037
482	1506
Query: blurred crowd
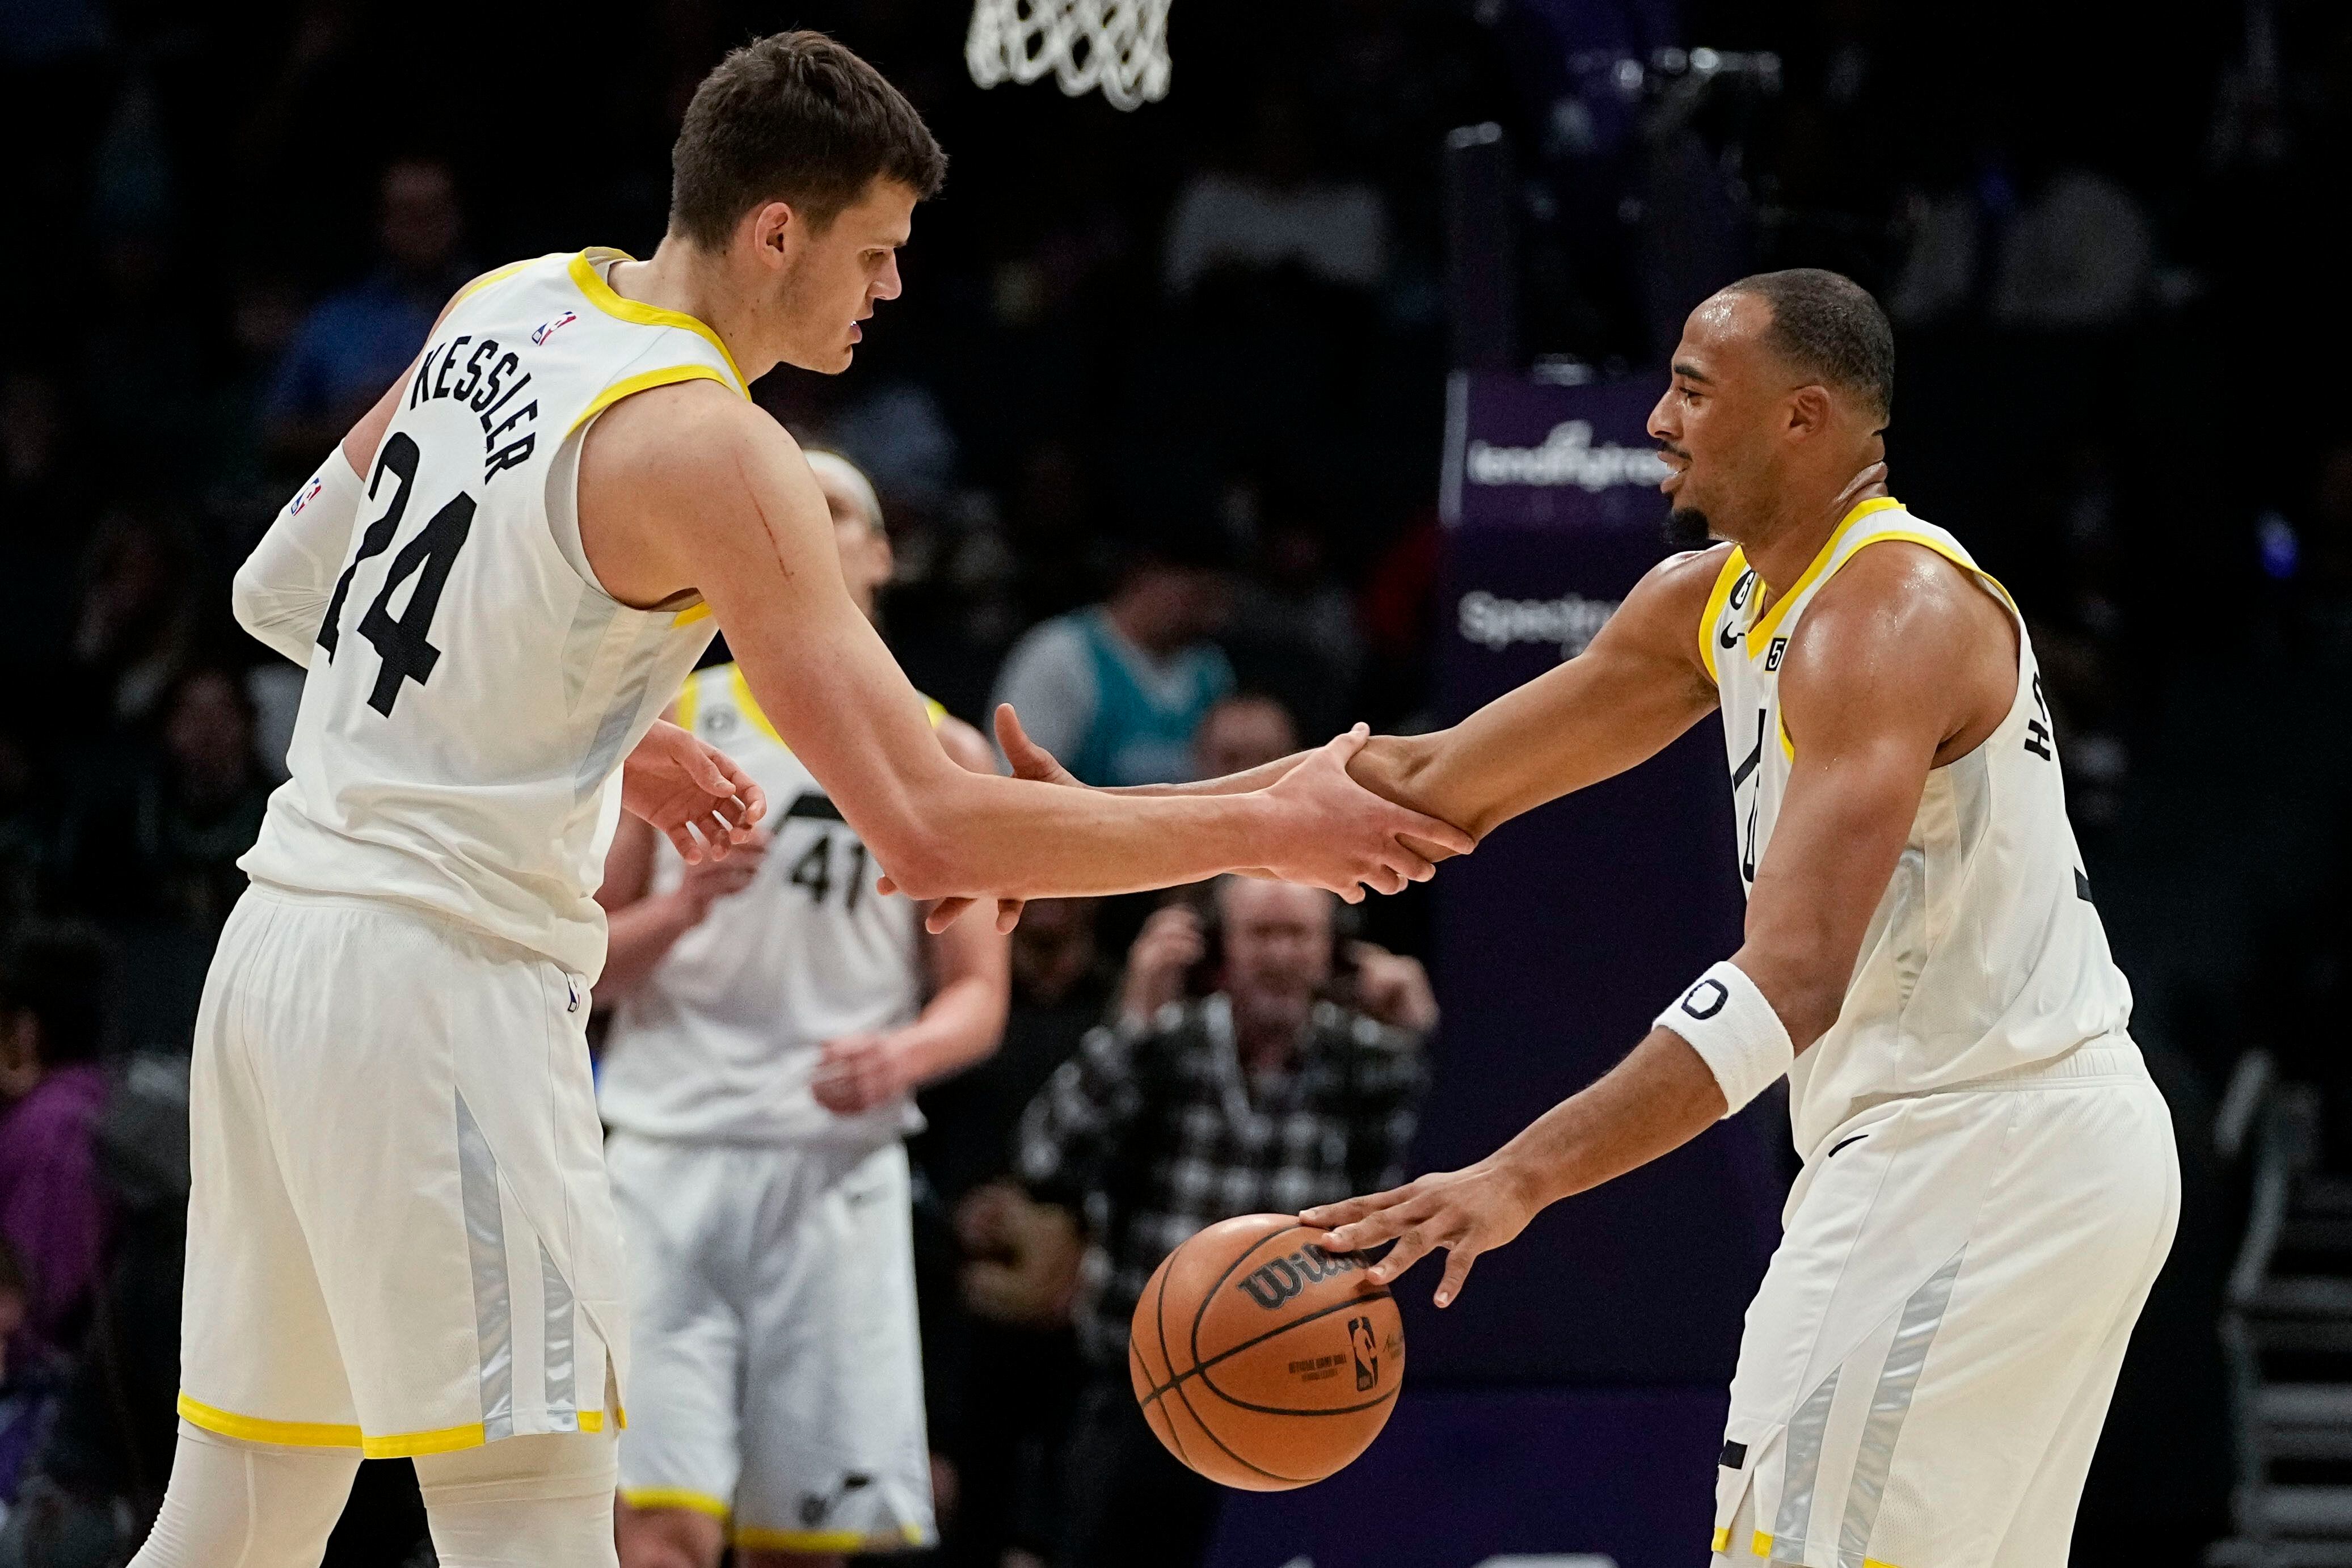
1156	428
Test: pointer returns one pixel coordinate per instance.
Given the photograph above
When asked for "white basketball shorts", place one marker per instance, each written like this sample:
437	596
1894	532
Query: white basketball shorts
779	1367
400	1234
1926	1367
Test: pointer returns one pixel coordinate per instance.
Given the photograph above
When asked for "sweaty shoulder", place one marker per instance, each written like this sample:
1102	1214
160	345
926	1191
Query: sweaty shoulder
1902	630
1663	614
676	428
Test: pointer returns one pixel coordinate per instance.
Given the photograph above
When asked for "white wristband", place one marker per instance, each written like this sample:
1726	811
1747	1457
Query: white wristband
1734	1032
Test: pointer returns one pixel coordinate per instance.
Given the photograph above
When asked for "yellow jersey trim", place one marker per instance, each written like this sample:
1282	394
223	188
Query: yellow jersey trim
408	1444
814	1541
676	1497
495	275
1760	1544
1722	1540
1959	558
1760	636
600	294
1787	747
1716	597
667	376
256	1429
688	615
689	700
329	1434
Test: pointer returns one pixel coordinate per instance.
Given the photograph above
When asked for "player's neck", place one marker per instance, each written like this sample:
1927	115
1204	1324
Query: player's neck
683	278
1785	541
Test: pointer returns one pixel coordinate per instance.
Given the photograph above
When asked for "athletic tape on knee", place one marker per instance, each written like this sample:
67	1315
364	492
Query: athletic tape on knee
1734	1032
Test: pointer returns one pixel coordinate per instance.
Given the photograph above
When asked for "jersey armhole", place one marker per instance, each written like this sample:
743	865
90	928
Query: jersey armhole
1950	553
563	476
1716	597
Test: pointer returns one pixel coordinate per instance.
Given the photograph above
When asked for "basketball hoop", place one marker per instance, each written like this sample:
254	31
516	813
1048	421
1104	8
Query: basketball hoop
1118	45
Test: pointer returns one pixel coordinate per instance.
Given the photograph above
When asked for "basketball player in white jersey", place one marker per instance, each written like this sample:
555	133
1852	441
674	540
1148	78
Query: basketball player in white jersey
1989	1184
401	1239
757	1081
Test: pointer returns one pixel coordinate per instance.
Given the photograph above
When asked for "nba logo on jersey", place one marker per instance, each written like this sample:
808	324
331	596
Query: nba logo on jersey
547	330
312	488
1772	655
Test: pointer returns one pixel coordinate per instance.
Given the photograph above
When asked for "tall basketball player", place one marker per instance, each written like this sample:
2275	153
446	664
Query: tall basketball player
1989	1184
757	1080
400	1240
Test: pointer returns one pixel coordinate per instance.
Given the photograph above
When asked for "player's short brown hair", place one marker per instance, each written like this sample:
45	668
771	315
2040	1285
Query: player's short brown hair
793	117
1828	325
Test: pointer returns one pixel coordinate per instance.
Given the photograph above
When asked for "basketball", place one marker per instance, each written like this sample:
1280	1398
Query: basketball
1262	1361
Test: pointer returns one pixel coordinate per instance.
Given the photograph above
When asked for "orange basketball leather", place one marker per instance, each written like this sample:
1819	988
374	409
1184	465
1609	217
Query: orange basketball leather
1262	1361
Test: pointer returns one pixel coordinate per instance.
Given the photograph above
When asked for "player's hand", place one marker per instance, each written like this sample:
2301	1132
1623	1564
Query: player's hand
708	881
1393	988
1339	835
1169	943
1466	1212
857	1072
694	792
1030	761
1021	1256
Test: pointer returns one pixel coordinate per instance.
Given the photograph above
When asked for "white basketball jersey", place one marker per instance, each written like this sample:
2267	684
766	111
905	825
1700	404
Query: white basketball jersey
722	1039
1985	956
462	727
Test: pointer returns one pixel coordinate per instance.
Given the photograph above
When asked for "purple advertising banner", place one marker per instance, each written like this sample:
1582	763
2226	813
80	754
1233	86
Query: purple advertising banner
1567	1404
1563	936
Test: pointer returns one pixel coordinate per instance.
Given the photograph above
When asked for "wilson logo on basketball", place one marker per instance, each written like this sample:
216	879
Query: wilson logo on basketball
1274	1283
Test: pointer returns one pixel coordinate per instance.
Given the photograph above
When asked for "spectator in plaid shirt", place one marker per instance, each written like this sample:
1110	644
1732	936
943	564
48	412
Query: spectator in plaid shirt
1265	1095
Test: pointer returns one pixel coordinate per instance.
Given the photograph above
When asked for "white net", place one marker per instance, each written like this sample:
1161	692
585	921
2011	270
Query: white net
1118	45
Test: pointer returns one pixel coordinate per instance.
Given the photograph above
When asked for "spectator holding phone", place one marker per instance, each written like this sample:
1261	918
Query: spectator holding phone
1265	1094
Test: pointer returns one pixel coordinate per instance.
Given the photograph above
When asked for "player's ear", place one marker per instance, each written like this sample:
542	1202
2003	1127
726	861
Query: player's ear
1808	411
770	227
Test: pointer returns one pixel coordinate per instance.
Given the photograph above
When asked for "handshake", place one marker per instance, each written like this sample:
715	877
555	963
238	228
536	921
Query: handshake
1324	826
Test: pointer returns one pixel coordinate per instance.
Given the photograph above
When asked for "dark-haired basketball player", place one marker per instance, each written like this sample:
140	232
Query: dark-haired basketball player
401	1239
1990	1182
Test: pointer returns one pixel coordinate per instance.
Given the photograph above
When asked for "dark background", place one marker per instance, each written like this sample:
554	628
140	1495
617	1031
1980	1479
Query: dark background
2101	234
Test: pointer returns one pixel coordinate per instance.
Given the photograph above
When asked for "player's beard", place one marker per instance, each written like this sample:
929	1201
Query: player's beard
1686	528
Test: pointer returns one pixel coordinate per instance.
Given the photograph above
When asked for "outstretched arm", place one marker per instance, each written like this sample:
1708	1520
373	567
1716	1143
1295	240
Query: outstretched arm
1622	701
1895	668
688	486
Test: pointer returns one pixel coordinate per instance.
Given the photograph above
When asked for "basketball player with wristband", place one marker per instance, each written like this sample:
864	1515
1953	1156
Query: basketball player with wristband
401	1237
1990	1182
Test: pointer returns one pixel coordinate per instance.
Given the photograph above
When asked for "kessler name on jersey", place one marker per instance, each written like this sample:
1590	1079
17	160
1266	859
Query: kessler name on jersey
460	736
489	384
